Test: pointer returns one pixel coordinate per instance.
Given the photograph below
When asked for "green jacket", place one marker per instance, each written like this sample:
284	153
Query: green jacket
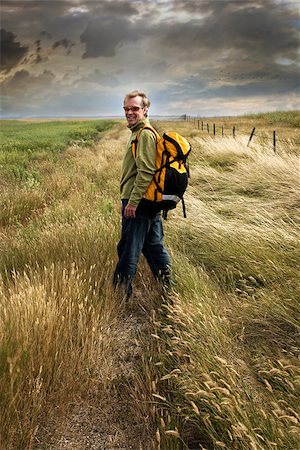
137	173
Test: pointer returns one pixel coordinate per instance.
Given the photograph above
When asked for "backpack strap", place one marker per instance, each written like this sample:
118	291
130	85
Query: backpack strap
147	127
135	141
134	144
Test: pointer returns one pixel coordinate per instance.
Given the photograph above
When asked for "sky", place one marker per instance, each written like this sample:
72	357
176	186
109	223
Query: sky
197	57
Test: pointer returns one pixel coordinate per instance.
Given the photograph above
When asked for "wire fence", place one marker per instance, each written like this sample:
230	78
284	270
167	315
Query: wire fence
215	130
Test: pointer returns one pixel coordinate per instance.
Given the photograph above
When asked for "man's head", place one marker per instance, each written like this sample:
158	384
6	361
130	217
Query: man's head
136	105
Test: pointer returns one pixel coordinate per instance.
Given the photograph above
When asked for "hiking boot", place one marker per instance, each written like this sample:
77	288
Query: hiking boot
165	277
123	282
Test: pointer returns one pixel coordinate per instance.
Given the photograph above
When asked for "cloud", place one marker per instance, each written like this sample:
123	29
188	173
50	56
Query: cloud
97	78
176	50
12	51
25	83
235	46
233	106
45	34
24	91
65	43
105	34
254	27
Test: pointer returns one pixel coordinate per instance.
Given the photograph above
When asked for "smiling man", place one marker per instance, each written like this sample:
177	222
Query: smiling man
142	230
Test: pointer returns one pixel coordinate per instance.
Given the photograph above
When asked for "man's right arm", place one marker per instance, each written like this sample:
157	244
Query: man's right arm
145	163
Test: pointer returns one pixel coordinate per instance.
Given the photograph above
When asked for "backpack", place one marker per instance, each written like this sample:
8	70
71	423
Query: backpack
170	179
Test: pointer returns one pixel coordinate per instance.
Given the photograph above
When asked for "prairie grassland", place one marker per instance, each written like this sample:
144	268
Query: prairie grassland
218	361
284	123
227	355
57	248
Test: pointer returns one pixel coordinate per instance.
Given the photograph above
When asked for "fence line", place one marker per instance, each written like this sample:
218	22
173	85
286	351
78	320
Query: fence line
213	131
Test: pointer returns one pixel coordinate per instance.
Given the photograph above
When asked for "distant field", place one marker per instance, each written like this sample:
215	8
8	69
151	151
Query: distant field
282	119
212	364
285	124
49	135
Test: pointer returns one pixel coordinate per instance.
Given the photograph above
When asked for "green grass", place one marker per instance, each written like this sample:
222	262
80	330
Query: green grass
25	144
32	137
32	159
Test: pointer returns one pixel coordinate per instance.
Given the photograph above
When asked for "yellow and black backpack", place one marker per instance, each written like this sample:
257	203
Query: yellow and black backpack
170	179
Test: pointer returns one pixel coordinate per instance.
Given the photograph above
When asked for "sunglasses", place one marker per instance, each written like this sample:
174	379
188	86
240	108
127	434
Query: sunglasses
132	108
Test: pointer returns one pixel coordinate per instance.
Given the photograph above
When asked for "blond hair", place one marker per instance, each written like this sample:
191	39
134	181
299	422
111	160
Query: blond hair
145	100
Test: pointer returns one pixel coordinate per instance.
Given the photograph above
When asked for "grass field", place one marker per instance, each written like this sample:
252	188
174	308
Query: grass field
214	363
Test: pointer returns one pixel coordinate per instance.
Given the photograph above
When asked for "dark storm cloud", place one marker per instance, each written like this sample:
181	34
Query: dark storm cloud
23	81
112	28
45	34
179	50
45	19
40	9
104	35
61	18
38	55
237	42
100	26
24	92
255	27
64	43
12	51
268	85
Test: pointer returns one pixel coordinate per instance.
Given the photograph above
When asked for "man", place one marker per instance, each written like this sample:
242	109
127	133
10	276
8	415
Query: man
142	230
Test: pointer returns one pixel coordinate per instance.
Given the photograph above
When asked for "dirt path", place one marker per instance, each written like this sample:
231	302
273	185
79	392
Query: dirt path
106	420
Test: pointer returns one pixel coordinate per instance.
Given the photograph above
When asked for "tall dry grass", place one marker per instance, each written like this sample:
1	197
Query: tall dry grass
54	338
223	366
58	315
219	354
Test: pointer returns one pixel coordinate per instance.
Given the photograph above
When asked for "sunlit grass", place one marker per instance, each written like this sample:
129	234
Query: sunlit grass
219	366
54	338
285	118
226	371
56	259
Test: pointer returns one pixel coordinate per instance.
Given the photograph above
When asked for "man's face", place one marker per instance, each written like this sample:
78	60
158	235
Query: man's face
134	110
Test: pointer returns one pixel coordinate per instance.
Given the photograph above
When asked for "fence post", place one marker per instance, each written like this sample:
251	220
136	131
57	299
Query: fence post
207	125
222	130
214	129
202	125
233	131
198	124
251	136
274	141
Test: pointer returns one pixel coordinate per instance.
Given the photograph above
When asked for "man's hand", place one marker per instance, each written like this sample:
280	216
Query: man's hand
130	211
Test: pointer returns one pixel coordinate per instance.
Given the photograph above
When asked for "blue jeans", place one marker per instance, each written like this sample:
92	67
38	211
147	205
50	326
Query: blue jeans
143	234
